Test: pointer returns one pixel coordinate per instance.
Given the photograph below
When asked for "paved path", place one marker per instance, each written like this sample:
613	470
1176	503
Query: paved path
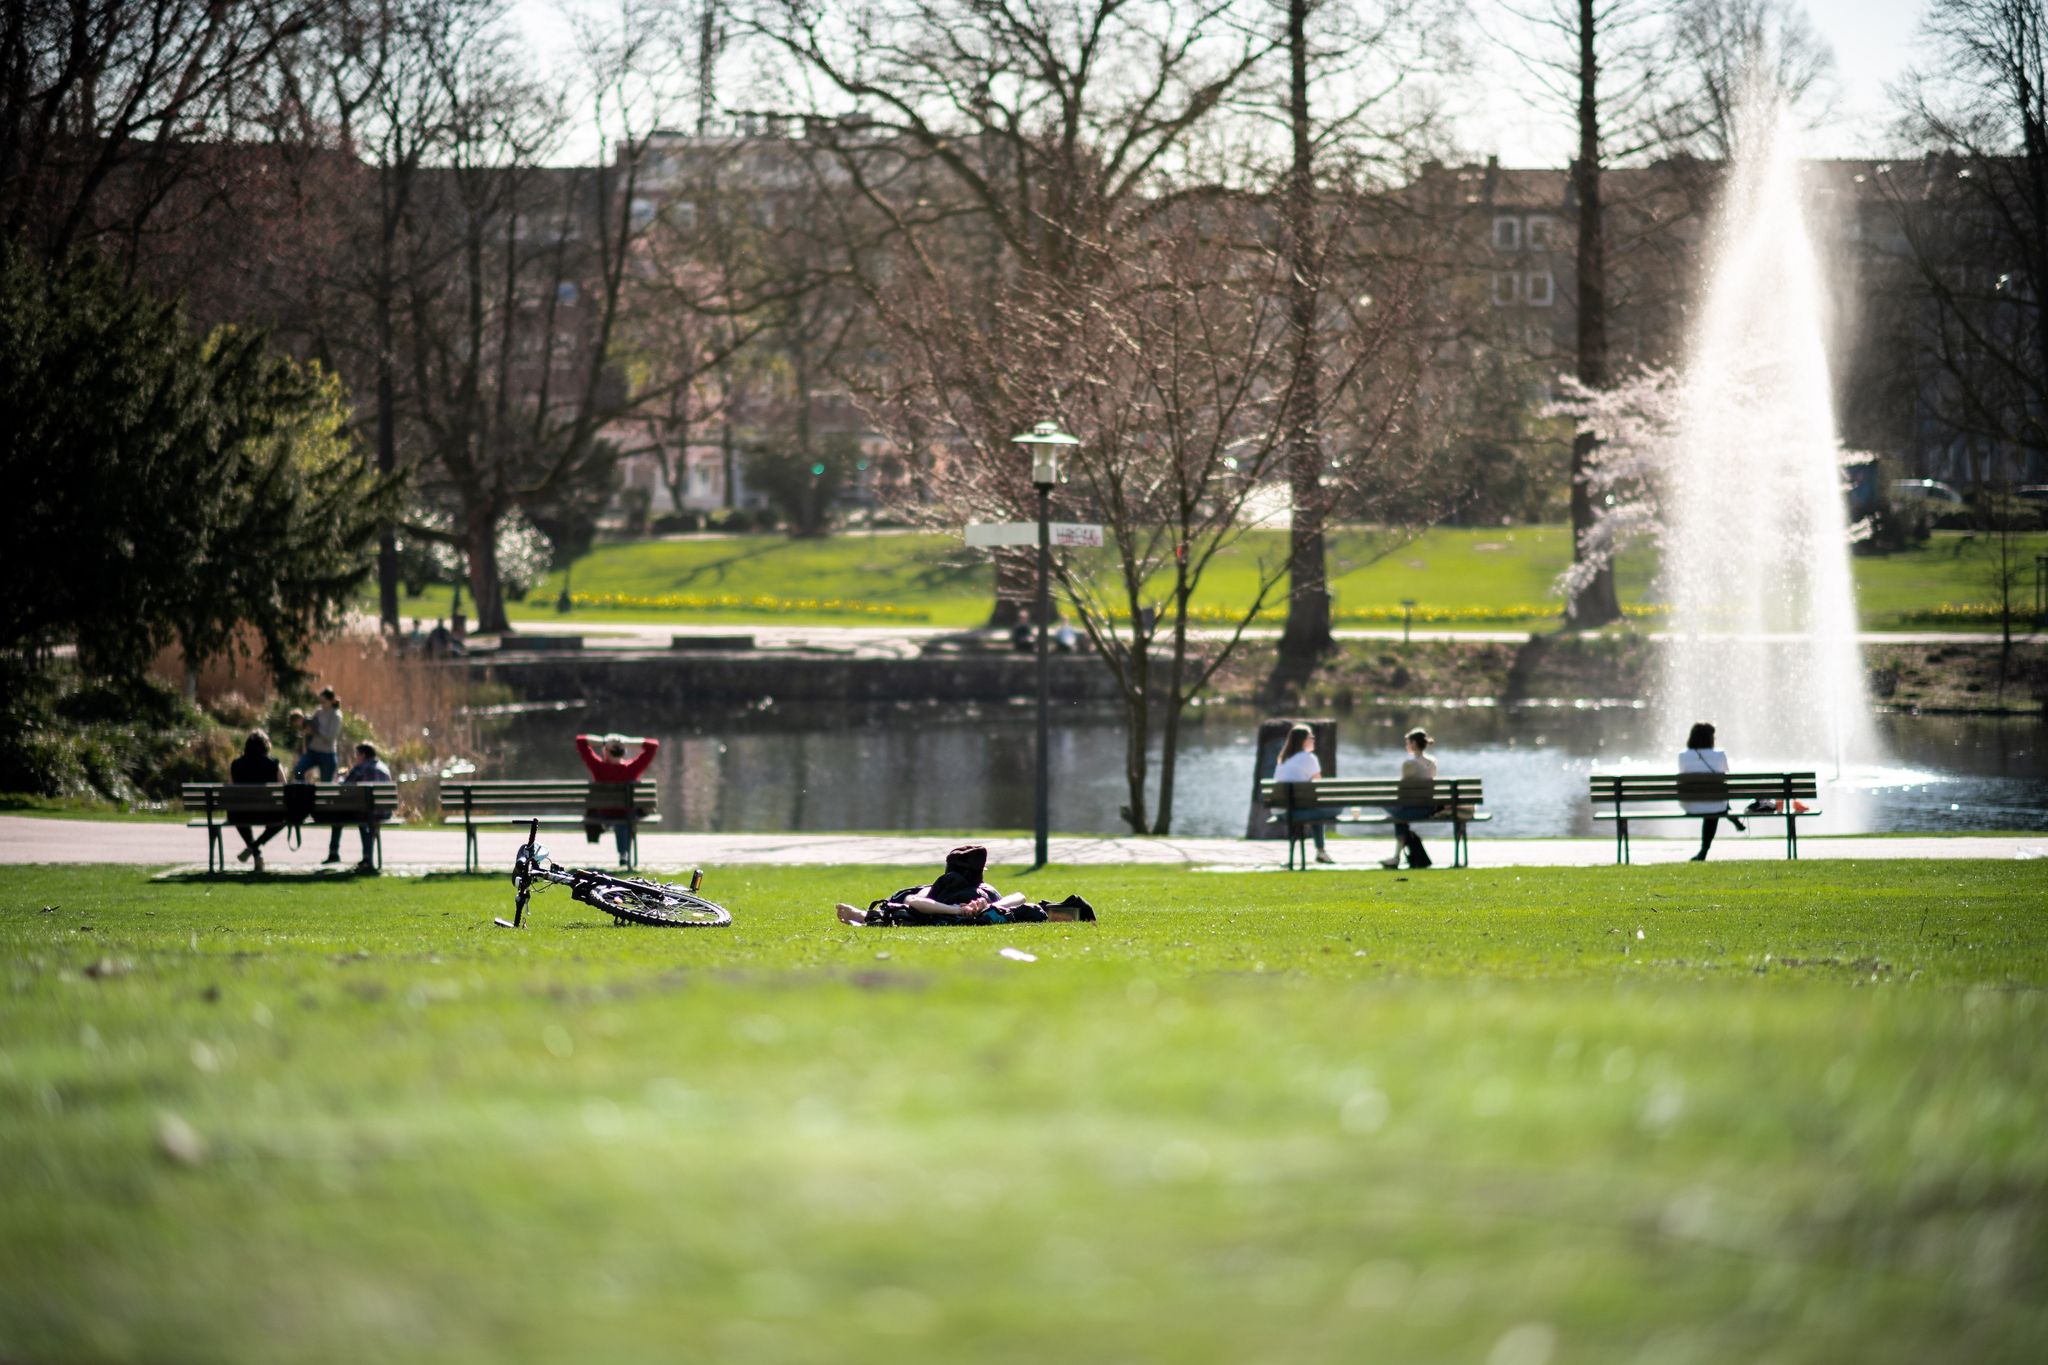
31	839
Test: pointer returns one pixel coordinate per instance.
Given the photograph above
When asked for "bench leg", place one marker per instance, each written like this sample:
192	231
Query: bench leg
1621	842
216	851
1792	837
468	847
1458	852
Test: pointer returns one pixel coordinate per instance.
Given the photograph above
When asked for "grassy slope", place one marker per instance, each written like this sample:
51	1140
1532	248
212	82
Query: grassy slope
1468	570
1694	1113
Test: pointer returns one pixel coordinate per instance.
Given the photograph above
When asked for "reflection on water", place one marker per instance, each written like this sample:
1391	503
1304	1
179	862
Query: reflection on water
970	768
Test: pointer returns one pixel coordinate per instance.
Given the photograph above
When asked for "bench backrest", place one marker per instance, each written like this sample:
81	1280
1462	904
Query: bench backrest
1617	789
570	796
1373	791
332	802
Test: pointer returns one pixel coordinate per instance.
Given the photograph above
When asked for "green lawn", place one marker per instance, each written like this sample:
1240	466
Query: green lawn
1731	1112
1461	577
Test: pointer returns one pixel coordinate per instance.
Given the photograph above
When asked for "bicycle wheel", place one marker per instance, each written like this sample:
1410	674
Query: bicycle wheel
668	907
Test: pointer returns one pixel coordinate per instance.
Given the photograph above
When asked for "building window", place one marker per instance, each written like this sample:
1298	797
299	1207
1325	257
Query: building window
1507	234
1542	289
1542	234
1504	287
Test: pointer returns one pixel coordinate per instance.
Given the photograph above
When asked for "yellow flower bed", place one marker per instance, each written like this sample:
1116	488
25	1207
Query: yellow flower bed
755	605
1423	615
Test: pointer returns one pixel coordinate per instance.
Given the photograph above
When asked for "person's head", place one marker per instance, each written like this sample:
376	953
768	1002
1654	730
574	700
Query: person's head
257	744
366	752
1299	738
1418	740
1701	736
614	746
295	718
327	697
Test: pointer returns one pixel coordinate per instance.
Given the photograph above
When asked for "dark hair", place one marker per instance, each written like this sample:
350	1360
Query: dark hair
328	694
367	748
1418	736
257	743
1702	736
1297	740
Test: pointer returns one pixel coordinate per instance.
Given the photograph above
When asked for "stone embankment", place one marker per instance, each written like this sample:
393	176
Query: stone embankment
1954	677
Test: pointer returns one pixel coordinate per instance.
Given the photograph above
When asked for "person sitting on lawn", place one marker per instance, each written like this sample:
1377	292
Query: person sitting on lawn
960	896
257	764
607	762
367	768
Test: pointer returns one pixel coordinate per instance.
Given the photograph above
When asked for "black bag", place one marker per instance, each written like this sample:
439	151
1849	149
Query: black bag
298	808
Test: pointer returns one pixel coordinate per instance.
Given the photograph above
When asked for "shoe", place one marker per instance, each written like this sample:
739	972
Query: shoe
330	858
1736	821
366	869
1081	909
1418	864
1323	856
1698	857
245	855
1392	864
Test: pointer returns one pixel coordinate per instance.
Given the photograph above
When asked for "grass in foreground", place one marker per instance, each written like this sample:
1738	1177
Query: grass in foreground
1693	1113
1495	576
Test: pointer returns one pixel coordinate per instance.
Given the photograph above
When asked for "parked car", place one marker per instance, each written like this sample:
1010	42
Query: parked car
1925	490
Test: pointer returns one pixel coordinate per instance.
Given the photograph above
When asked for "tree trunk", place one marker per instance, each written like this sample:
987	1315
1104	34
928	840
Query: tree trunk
1595	604
1137	739
1307	635
387	425
1169	748
480	539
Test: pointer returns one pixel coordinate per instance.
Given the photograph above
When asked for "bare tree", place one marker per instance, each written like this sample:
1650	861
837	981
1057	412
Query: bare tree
107	107
1725	46
1600	62
1974	215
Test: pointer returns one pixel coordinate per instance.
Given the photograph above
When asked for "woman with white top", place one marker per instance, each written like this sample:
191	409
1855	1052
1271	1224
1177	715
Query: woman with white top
1298	764
1701	756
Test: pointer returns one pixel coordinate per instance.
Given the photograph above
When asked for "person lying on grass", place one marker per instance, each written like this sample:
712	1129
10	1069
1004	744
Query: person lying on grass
960	896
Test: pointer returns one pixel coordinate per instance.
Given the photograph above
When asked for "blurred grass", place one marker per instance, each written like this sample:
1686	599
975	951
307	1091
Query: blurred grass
1473	577
1742	1111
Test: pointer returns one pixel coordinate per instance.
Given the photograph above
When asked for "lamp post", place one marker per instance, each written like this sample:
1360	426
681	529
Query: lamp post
1045	440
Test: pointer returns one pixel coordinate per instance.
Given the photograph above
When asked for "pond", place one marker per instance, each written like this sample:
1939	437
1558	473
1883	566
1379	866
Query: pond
783	768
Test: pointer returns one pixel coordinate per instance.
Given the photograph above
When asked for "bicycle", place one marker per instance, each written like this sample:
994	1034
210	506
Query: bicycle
629	900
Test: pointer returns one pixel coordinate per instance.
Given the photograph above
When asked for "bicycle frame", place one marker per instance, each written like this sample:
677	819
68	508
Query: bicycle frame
532	864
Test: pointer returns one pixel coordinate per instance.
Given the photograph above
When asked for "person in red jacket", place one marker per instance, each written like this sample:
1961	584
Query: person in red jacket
607	761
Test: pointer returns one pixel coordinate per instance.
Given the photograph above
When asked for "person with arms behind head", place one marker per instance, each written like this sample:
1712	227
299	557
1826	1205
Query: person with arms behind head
606	759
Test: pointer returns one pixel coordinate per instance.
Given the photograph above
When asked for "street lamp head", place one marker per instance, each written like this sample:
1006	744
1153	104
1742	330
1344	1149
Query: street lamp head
1045	440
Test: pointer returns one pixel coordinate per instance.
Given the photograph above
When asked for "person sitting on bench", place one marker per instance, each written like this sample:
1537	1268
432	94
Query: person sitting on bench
1417	767
612	765
1298	763
1701	756
367	768
257	764
960	896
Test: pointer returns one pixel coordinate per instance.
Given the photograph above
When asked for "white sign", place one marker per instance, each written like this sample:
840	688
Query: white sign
989	535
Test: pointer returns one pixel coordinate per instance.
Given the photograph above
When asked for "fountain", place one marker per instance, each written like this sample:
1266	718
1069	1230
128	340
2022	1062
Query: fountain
1756	551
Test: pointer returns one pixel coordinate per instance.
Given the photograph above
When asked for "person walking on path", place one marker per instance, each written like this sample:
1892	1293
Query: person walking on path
1701	756
368	768
1298	763
323	739
1418	767
256	765
606	759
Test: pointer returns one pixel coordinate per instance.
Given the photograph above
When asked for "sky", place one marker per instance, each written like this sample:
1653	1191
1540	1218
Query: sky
1873	43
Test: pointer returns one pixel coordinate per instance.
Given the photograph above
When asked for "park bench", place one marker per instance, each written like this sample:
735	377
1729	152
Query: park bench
1364	801
568	803
1621	799
216	806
